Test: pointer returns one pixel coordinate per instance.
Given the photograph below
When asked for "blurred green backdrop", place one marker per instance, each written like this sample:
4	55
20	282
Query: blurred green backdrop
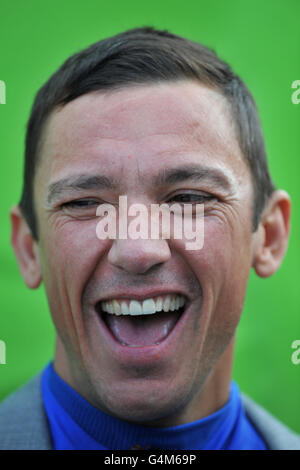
260	39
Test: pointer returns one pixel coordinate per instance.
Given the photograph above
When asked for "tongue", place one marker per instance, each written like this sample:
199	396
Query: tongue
141	330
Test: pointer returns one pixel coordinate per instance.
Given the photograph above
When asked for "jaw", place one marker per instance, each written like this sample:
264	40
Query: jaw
141	382
151	383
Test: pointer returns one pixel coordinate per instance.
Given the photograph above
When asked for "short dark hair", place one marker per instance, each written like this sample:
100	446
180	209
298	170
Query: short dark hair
143	56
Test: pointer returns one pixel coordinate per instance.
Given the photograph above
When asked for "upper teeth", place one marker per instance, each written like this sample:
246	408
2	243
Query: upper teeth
146	307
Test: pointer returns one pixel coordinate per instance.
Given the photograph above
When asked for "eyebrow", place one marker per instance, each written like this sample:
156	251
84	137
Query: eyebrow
194	173
179	174
77	183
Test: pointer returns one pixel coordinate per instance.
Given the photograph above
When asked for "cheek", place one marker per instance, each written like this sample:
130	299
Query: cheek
71	247
222	267
212	262
227	260
69	256
226	250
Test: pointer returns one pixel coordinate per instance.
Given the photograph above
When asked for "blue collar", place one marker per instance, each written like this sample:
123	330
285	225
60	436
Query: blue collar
76	424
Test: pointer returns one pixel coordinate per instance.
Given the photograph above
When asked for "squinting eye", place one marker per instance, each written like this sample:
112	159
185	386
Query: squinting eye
187	198
80	208
80	203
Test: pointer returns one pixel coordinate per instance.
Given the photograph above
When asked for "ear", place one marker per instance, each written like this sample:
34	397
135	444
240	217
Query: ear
25	248
272	234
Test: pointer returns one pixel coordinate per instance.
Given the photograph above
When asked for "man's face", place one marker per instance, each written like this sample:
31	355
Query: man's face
151	367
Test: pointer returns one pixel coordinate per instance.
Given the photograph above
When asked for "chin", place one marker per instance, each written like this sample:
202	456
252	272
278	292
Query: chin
149	405
144	413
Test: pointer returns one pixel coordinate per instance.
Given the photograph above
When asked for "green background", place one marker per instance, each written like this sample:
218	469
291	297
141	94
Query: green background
260	39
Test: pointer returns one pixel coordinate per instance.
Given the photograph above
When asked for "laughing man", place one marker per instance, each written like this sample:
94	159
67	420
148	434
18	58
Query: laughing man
145	328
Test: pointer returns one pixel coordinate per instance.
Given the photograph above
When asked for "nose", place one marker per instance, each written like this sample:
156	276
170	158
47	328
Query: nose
138	256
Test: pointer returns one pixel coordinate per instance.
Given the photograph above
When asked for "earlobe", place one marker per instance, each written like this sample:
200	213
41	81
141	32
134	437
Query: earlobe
25	248
272	234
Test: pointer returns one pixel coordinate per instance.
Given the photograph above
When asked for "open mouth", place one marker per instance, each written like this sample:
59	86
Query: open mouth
135	323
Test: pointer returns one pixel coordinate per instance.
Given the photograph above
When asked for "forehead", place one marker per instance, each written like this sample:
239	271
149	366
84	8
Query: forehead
154	124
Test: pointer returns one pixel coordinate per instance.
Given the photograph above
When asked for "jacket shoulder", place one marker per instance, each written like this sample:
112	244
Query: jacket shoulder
23	421
276	435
